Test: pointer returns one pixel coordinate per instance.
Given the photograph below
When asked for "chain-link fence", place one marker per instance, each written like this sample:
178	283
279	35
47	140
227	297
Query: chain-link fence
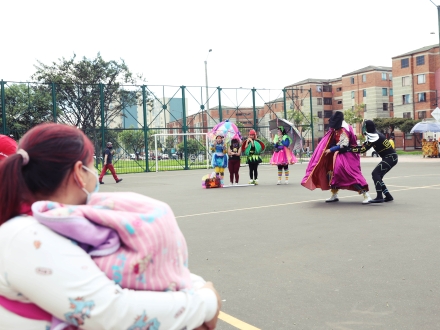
154	127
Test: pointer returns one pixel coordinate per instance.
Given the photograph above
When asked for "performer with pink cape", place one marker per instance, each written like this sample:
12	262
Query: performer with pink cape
331	167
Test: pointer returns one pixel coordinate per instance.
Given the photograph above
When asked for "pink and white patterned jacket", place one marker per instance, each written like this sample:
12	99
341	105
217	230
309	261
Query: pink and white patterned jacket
134	239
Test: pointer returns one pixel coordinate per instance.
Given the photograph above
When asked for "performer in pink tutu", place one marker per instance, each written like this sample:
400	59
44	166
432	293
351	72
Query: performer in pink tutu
332	167
282	155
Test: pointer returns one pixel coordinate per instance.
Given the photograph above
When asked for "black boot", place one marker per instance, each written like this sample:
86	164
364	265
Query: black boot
388	197
378	199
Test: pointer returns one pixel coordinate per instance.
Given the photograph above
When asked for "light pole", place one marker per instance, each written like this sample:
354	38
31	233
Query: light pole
206	79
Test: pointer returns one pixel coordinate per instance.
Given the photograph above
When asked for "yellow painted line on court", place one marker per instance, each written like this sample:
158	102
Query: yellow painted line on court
235	322
291	203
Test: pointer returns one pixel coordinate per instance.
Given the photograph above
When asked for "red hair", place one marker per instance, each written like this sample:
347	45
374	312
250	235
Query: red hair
53	150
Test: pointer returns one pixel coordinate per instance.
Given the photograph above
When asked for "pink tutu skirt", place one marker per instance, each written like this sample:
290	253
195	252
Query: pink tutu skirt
283	157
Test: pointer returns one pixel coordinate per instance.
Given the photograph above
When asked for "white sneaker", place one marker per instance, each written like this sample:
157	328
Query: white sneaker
367	198
287	182
279	182
256	182
333	198
251	182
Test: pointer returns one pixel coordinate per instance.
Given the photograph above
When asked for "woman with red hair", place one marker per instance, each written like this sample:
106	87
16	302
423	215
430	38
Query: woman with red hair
45	276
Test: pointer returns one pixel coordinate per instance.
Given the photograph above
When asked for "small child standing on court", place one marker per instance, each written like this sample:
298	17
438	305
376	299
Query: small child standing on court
234	152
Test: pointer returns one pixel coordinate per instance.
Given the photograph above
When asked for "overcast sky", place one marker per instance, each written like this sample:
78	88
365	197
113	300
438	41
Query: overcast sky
262	44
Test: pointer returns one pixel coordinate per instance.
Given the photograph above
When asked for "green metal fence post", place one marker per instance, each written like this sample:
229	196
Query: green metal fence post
101	102
254	108
54	103
311	120
220	104
184	127
144	110
284	102
3	106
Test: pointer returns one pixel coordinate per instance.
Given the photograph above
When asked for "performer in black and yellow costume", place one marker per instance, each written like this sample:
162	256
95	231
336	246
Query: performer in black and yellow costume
389	159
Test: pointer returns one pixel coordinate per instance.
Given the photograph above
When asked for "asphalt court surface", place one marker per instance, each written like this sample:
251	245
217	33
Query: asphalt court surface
282	258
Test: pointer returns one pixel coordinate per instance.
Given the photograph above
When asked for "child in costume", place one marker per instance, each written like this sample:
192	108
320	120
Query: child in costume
386	151
332	167
252	148
219	157
282	155
234	153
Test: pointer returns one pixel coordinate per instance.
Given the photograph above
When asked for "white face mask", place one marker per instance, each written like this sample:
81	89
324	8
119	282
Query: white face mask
89	194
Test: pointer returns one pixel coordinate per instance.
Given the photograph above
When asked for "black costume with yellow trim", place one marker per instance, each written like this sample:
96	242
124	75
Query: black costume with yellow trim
389	157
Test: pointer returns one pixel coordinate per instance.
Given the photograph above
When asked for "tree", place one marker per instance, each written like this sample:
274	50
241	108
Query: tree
79	90
132	140
192	147
403	124
27	105
169	142
354	116
151	144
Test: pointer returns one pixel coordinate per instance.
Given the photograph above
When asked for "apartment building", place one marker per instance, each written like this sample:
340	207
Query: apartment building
317	94
371	87
414	79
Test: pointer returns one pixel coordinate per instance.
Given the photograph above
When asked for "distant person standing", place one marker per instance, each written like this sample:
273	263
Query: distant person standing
108	158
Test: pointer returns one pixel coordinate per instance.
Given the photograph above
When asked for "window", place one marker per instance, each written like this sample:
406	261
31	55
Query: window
339	101
391	76
385	106
391	92
420	60
391	107
421	114
327	88
407	115
328	114
364	78
422	97
327	100
406	81
319	114
352	108
406	99
364	93
339	89
352	95
384	76
421	79
319	88
352	80
319	101
404	63
408	136
320	127
365	108
384	91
